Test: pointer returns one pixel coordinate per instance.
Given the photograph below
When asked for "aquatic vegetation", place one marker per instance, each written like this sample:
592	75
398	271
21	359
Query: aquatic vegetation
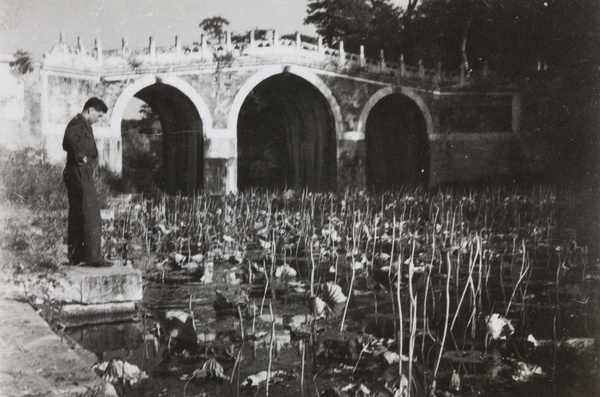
408	293
119	372
440	267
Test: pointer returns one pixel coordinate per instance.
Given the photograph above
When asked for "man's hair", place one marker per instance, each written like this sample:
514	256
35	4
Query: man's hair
97	104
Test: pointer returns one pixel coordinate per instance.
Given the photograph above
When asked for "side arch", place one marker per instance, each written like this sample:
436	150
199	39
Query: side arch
269	71
184	118
382	93
397	127
148	80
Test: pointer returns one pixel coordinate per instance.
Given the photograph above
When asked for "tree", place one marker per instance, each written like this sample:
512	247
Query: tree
23	62
512	36
149	123
372	23
385	30
440	31
214	26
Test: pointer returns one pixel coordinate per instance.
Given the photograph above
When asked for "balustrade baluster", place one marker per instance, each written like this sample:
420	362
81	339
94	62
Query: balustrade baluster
152	49
98	51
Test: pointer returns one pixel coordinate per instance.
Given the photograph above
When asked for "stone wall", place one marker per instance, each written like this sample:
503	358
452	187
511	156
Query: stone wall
19	107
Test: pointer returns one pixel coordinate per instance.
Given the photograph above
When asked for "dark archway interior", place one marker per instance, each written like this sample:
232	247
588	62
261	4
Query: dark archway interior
183	143
286	137
396	144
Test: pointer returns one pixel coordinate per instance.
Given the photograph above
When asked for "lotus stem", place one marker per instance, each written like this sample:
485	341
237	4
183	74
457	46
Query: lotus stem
439	359
270	349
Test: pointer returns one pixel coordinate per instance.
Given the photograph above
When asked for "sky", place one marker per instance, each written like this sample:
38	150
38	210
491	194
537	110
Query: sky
35	25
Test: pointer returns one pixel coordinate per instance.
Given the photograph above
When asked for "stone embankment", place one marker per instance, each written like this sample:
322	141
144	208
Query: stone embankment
34	360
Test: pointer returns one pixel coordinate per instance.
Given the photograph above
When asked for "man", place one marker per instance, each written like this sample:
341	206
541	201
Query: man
85	226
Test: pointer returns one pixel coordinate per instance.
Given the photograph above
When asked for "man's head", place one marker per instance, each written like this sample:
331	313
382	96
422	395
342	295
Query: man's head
93	109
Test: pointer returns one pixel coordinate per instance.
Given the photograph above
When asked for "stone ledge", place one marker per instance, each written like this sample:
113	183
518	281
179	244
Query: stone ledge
74	314
87	285
34	361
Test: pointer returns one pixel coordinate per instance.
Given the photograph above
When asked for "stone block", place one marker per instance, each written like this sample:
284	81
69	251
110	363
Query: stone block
87	285
76	315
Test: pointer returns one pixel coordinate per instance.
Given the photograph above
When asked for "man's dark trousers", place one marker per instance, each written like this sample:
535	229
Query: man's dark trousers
85	226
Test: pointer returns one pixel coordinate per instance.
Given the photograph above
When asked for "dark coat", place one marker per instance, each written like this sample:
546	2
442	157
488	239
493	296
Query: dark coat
85	226
79	141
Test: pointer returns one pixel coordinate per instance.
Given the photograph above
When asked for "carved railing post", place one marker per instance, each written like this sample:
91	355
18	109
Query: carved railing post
298	43
228	45
80	48
63	45
342	59
402	66
152	49
421	69
361	57
98	51
438	74
486	71
204	47
275	42
252	43
124	49
462	74
177	48
320	48
381	61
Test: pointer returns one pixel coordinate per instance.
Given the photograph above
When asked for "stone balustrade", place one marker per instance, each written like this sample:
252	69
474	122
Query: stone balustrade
247	50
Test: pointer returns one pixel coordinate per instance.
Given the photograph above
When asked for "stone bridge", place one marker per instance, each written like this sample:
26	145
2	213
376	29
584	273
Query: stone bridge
283	113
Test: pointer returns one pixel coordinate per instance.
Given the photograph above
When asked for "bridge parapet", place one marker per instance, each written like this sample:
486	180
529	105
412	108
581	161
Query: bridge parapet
242	51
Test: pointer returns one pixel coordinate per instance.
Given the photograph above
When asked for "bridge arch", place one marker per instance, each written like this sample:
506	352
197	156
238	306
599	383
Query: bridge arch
184	117
384	92
396	124
148	80
299	71
288	124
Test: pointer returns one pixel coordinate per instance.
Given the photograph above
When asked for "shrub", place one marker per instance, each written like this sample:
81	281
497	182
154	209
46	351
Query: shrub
142	162
27	178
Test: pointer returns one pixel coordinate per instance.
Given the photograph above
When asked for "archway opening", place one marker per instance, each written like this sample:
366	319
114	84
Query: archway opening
141	137
396	144
286	137
182	144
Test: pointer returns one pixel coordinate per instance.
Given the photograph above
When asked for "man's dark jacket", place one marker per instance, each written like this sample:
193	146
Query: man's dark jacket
84	227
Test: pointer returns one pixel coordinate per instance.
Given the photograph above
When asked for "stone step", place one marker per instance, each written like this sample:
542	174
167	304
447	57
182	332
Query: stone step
88	285
75	315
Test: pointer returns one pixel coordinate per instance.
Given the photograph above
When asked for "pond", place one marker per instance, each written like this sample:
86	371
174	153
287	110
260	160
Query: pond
485	292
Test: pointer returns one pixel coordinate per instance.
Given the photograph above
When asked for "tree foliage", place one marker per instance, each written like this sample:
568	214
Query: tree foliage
372	23
214	26
512	36
149	122
23	62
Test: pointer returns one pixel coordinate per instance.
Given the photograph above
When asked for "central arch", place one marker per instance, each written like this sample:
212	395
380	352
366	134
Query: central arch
183	115
287	132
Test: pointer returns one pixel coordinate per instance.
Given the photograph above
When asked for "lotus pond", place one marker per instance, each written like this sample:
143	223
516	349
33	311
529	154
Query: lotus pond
411	293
